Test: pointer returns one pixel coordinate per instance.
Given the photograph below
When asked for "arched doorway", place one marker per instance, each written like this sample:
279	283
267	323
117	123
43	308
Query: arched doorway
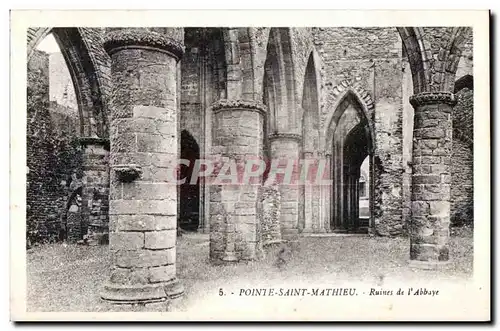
351	144
189	194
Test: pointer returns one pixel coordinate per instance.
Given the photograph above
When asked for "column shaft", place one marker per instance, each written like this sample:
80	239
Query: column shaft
430	198
143	138
234	218
285	148
95	189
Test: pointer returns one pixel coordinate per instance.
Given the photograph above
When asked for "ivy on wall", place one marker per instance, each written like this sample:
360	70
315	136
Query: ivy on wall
53	161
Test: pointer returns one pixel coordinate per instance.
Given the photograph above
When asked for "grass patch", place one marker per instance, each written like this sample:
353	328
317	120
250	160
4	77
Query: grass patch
69	278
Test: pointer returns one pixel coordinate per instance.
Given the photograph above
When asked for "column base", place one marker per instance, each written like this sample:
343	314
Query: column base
307	230
428	265
142	293
162	306
320	230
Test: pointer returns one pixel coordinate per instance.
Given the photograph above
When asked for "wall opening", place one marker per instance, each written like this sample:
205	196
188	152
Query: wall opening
351	169
364	193
189	194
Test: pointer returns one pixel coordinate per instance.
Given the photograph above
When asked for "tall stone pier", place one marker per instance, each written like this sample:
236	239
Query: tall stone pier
95	188
238	139
143	139
285	149
430	196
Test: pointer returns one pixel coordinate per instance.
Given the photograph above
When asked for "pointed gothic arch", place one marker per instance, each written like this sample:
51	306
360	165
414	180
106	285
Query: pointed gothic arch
310	110
82	57
279	82
347	93
349	139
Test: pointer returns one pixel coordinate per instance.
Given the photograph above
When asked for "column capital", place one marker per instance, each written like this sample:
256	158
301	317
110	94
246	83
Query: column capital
119	39
230	104
86	141
433	98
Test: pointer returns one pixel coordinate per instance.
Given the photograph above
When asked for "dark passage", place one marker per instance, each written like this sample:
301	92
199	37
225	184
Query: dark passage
189	193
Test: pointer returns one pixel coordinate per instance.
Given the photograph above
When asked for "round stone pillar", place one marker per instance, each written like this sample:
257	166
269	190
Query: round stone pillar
143	139
238	139
285	149
430	197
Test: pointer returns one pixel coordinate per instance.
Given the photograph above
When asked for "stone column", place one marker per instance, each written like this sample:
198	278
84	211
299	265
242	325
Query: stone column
327	196
309	197
355	203
95	188
430	198
286	147
143	137
238	136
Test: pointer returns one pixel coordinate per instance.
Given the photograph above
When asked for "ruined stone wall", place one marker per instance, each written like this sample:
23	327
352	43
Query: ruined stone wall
373	58
53	156
90	68
465	65
462	162
190	93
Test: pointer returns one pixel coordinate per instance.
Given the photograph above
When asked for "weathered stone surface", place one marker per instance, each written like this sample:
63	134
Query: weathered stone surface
431	183
148	207
162	274
270	214
126	240
143	207
235	210
215	96
143	222
160	239
142	258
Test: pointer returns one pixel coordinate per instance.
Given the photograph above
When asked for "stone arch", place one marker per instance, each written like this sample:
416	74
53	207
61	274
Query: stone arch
279	83
310	110
453	56
420	56
86	61
417	56
342	148
346	92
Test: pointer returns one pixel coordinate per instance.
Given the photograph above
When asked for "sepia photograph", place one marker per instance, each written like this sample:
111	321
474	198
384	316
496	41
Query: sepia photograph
253	171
